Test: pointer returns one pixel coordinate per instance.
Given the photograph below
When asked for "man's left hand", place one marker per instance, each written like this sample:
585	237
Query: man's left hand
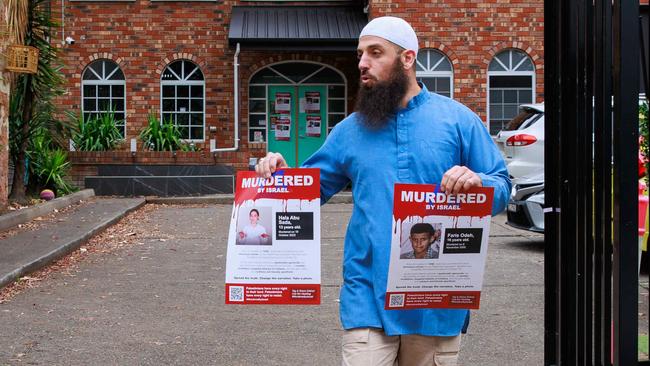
459	179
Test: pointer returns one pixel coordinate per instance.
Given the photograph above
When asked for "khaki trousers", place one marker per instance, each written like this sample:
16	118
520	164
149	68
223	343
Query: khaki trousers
371	347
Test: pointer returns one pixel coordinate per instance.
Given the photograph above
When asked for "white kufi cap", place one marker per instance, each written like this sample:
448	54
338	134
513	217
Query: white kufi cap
392	29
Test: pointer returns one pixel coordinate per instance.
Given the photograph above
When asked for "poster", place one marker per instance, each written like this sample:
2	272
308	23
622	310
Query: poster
312	102
283	127
282	102
313	126
438	248
258	136
274	239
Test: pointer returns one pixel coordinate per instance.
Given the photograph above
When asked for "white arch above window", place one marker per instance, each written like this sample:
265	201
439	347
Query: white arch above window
511	60
103	70
432	61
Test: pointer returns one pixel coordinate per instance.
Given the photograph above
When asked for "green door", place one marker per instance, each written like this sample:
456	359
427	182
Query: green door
282	114
312	125
297	125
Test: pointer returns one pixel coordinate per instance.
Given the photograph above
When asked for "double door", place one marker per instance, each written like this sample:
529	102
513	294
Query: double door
298	125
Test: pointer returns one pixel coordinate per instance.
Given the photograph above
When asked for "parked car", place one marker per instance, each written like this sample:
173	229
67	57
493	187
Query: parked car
526	205
522	141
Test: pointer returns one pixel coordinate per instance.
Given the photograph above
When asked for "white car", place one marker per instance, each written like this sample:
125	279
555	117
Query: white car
522	141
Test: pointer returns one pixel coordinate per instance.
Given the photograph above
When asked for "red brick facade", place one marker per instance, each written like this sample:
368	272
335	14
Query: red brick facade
144	36
470	34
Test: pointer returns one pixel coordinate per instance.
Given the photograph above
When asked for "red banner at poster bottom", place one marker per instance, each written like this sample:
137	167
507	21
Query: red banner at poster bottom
433	299
267	294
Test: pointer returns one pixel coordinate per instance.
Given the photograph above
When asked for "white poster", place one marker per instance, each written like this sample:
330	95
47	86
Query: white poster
313	126
438	248
282	102
312	102
274	242
283	128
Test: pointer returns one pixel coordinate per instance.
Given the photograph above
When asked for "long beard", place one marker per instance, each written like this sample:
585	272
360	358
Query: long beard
378	103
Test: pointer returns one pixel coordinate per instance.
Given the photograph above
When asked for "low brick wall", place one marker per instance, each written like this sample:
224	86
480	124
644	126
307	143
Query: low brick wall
85	163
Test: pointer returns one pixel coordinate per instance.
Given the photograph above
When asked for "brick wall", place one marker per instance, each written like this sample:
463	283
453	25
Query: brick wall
470	33
85	163
144	36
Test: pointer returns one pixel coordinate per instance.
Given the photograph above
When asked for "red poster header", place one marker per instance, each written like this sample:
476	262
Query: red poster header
427	200
290	183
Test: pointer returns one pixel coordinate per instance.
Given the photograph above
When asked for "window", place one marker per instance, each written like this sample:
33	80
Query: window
182	89
434	70
293	73
511	82
103	90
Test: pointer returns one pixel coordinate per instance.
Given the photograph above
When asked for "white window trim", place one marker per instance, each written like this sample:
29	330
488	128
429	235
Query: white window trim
512	72
183	83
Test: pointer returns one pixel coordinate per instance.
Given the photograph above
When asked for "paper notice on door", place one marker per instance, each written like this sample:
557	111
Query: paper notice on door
282	102
283	128
301	105
273	252
438	247
312	102
313	126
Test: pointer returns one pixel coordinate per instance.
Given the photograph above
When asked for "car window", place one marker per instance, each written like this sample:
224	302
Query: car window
524	119
531	121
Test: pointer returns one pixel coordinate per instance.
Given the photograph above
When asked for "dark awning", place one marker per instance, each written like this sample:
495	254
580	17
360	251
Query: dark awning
296	27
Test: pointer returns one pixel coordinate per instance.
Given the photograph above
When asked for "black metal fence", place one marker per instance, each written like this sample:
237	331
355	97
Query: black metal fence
591	110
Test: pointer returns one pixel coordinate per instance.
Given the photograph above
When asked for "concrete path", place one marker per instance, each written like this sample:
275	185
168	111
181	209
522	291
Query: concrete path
161	301
32	249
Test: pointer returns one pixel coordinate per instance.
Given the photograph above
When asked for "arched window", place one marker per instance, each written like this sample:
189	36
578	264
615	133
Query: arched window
182	89
511	82
103	90
434	70
293	74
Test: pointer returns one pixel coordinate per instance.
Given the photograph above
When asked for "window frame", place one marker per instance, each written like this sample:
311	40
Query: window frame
104	80
431	72
510	71
184	82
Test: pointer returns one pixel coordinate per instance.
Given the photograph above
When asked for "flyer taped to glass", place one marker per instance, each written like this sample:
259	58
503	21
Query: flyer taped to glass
438	247
274	239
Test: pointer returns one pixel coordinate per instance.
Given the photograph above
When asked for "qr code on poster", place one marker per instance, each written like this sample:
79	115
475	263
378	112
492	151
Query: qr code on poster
236	293
396	301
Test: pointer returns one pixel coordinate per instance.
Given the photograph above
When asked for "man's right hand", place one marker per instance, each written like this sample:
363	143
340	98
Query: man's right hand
267	165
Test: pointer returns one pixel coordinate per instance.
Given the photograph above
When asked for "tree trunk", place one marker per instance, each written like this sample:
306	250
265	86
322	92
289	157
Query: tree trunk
18	186
5	87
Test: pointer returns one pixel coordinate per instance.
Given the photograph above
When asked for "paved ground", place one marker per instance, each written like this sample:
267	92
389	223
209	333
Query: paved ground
161	301
32	249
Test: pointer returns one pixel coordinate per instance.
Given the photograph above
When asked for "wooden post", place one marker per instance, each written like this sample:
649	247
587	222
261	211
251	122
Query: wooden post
4	118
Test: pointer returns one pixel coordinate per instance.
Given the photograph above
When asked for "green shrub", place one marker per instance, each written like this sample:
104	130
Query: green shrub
97	133
160	136
48	165
644	144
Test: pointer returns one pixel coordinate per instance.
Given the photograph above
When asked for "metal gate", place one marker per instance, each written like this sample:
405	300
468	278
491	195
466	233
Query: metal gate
591	103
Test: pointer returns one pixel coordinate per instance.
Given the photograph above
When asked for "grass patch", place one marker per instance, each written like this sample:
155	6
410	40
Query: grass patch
643	344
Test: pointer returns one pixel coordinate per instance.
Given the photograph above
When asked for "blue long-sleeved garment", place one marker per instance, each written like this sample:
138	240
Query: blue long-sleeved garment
423	140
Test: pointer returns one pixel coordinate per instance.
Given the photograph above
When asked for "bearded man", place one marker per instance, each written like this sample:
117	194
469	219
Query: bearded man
400	133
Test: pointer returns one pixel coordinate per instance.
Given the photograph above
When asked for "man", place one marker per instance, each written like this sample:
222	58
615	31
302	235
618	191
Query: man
421	237
400	133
